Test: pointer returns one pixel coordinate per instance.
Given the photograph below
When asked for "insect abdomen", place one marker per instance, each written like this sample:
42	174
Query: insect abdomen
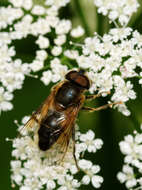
49	131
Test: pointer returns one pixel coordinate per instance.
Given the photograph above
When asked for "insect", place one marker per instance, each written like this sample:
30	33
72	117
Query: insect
56	117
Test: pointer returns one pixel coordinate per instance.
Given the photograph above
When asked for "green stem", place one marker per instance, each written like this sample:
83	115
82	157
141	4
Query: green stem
102	24
82	17
135	121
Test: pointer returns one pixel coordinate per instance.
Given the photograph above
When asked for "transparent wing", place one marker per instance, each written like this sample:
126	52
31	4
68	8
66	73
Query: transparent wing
36	118
61	146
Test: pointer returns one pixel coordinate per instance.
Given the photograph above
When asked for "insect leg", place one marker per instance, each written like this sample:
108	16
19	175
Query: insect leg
74	149
94	96
101	107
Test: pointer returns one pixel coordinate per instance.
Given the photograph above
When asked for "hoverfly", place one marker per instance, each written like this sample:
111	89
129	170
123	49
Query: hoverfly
56	117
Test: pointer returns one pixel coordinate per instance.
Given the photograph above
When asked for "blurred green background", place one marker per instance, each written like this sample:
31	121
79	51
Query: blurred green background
109	125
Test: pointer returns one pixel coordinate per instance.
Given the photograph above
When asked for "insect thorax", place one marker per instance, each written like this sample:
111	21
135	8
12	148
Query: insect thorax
67	94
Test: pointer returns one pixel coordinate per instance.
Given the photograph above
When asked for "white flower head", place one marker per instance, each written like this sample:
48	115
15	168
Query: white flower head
127	176
58	70
36	65
43	42
5	98
48	171
63	27
131	147
122	11
77	32
46	77
89	142
56	51
61	39
38	10
110	64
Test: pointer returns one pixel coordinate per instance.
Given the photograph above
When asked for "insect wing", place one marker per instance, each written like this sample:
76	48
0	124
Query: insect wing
63	142
41	113
35	120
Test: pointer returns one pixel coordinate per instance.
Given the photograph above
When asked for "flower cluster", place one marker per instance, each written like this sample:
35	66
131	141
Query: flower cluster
117	10
131	173
48	172
12	72
111	61
24	18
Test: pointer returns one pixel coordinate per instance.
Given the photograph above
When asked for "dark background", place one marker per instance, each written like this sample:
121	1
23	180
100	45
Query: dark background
108	125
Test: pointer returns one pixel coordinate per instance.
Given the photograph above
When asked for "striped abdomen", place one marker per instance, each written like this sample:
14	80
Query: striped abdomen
50	130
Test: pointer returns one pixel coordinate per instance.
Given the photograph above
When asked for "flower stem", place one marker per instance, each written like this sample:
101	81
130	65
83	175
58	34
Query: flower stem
102	24
82	16
135	121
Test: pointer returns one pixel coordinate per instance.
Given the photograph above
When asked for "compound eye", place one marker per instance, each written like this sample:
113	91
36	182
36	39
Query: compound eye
78	78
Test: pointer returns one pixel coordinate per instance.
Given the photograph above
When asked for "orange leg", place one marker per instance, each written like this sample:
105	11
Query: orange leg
101	107
94	96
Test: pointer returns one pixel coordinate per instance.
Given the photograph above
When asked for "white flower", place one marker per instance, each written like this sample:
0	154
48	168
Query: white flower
16	3
38	10
91	171
88	140
127	176
117	10
120	33
86	179
58	70
111	61
69	183
4	38
61	39
50	184
56	50
5	98
71	54
47	173
27	4
22	28
43	42
77	32
46	77
25	188
97	181
41	26
36	65
13	75
63	27
41	55
131	147
8	15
